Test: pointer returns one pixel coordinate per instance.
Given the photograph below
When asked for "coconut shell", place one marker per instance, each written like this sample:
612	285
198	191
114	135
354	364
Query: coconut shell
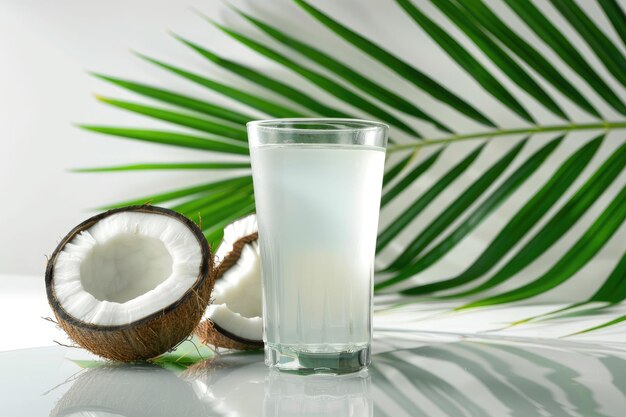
152	335
208	331
211	334
234	255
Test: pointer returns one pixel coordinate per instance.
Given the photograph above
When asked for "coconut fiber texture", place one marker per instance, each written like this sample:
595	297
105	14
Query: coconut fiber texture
152	335
210	333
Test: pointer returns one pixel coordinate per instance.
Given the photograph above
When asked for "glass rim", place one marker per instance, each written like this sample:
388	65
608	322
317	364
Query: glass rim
343	125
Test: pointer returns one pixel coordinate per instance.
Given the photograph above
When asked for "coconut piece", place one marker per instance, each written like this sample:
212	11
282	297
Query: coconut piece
234	318
131	283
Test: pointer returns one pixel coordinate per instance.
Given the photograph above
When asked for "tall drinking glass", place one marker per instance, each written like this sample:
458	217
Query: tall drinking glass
317	185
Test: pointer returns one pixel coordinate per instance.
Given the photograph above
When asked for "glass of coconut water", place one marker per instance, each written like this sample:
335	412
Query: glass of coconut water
317	186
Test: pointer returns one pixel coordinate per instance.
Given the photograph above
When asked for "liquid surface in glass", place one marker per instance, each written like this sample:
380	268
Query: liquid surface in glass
318	211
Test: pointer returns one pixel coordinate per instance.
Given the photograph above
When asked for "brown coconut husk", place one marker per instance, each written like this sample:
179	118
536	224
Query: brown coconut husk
208	331
211	334
152	335
211	370
233	256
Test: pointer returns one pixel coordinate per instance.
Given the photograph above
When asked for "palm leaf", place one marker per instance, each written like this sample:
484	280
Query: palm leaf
411	74
180	119
609	323
353	77
539	218
395	170
266	106
170	138
180	100
212	202
565	50
408	179
471	64
493	25
557	226
295	95
579	254
215	232
524	219
322	81
167	166
387	235
497	197
614	288
617	17
472	193
599	43
195	190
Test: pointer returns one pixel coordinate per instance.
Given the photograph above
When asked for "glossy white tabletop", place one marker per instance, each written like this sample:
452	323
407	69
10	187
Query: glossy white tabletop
421	375
422	366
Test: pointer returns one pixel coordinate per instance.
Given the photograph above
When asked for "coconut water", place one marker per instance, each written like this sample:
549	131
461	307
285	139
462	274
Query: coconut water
318	211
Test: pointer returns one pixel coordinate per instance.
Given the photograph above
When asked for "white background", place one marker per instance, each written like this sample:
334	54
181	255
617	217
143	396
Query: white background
47	47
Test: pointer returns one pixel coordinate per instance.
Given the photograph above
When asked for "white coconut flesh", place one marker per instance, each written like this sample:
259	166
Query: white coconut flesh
125	267
236	305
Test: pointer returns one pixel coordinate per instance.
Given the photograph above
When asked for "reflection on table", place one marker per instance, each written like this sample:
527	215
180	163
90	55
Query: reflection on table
453	378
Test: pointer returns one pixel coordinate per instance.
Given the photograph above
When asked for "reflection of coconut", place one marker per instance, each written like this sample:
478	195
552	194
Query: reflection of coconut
233	320
289	395
130	391
131	283
220	365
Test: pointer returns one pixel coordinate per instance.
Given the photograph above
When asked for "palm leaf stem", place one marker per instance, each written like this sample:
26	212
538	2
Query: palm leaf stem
159	166
572	127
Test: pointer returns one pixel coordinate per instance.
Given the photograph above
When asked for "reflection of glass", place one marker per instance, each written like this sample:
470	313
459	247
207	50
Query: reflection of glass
317	185
233	384
317	396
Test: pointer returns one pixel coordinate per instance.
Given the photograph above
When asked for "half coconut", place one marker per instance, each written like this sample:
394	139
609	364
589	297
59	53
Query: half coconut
234	318
131	283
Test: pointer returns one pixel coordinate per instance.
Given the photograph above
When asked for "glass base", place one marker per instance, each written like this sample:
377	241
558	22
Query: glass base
288	359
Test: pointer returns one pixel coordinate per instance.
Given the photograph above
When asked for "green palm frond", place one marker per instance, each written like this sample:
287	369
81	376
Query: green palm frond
181	119
322	81
474	67
559	224
180	100
582	158
168	166
271	84
192	193
251	100
400	67
578	255
348	74
553	37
